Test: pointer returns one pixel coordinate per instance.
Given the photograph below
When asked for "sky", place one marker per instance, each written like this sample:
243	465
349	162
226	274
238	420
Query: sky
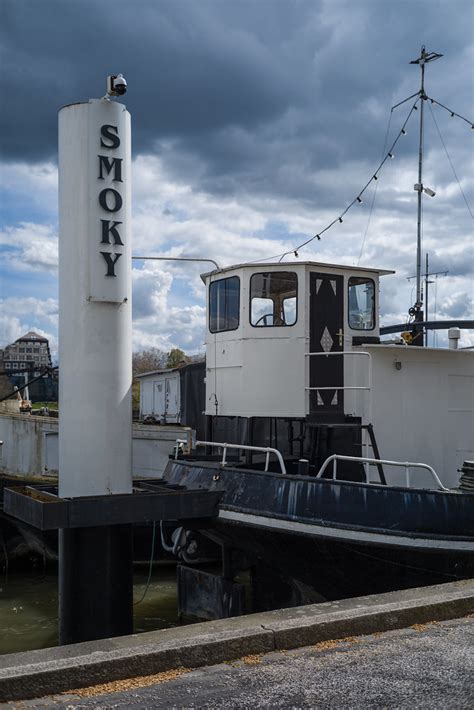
254	125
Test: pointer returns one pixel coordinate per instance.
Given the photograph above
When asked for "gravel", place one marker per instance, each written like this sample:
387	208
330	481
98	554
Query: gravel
424	666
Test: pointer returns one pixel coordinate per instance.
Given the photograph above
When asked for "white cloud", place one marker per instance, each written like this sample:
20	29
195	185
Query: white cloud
179	220
10	329
182	327
30	247
33	184
33	307
20	315
173	216
157	321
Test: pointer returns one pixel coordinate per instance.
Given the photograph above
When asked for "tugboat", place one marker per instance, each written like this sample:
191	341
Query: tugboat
337	455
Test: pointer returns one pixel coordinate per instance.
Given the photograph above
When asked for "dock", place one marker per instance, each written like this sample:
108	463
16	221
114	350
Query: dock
64	669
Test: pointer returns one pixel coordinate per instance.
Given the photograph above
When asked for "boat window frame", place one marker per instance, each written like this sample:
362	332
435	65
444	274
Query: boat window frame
367	279
272	325
211	284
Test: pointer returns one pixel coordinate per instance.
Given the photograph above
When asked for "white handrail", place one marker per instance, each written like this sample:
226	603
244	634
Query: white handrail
361	459
262	449
368	387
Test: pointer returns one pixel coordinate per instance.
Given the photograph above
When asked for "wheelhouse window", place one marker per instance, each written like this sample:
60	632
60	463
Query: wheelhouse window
361	303
224	304
273	298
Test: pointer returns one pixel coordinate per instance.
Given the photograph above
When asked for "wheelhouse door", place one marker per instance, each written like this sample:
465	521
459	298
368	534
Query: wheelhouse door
326	336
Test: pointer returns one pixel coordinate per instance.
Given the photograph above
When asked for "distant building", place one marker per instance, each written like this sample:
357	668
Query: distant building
30	352
25	360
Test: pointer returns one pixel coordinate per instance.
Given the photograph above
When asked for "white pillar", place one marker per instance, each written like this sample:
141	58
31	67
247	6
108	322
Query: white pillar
95	318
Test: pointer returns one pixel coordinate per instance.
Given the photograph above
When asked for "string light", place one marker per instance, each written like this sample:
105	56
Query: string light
450	162
359	196
451	112
390	154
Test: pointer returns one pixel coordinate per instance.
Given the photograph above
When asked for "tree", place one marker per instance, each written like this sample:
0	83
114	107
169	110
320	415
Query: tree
176	357
148	360
199	357
156	359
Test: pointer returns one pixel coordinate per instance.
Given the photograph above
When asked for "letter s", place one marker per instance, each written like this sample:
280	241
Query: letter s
111	134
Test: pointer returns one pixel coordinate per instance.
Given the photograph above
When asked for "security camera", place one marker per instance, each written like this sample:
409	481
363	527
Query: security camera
116	85
429	191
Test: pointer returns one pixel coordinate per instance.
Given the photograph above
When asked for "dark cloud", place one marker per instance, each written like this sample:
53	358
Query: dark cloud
191	69
243	88
198	66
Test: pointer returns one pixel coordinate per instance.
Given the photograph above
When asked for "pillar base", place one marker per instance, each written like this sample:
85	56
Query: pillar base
95	583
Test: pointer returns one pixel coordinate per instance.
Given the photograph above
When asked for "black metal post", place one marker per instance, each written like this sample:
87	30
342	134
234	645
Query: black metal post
417	329
95	583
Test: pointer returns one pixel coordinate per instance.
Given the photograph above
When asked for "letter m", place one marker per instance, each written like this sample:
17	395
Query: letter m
108	165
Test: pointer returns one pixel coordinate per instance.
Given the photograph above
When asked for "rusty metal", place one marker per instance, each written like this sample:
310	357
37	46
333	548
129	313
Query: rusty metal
41	507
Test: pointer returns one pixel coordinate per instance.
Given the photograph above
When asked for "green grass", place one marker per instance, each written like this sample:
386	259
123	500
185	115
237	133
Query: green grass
50	405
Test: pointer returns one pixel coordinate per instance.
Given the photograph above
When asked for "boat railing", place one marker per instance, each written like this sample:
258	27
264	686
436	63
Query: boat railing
267	450
367	387
407	465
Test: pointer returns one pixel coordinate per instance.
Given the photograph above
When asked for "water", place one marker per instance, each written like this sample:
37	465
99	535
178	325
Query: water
28	611
29	606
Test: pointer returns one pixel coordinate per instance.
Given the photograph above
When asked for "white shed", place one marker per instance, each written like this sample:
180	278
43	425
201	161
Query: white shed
160	395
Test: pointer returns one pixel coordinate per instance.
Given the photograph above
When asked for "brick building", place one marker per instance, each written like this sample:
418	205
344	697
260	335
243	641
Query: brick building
30	352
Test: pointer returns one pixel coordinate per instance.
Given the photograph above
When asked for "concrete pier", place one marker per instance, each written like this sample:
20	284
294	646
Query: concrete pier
424	666
49	671
30	446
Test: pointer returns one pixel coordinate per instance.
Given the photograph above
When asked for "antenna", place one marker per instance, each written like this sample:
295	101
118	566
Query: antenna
427	282
422	60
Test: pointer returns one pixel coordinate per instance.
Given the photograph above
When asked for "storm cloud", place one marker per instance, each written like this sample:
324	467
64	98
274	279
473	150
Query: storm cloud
244	95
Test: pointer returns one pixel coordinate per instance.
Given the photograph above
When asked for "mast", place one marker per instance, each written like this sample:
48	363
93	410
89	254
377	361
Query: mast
427	282
422	60
427	274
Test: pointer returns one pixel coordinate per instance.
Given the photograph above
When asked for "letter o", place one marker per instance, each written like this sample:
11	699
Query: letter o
118	202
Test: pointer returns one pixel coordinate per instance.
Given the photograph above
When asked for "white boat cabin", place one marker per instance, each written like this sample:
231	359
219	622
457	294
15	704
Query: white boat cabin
264	319
300	342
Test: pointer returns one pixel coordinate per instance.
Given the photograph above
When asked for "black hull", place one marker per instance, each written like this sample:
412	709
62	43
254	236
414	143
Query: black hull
336	537
337	570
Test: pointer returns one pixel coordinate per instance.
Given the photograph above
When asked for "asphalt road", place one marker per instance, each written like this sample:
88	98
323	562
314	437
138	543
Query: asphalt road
427	666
